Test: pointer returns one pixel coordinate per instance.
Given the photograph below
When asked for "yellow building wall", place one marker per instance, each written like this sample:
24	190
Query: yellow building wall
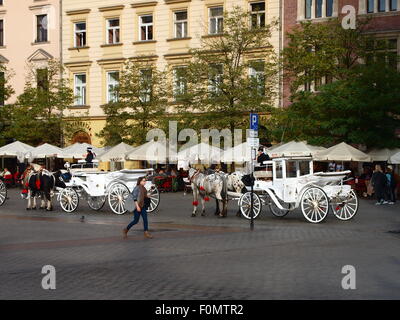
96	59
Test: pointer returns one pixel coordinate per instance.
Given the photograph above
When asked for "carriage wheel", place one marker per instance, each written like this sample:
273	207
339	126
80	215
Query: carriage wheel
117	196
3	193
69	200
314	204
279	212
347	207
96	203
245	205
154	195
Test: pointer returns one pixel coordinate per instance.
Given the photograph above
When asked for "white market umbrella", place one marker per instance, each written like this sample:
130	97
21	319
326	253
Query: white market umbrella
79	150
15	149
382	154
155	151
342	152
238	154
43	151
200	153
294	149
116	153
395	158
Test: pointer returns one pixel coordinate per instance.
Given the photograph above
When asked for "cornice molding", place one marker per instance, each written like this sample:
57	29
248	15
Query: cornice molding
75	12
144	4
176	1
110	61
111	8
78	63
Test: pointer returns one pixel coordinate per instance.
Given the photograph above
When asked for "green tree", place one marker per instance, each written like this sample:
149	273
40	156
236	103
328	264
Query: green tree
362	109
216	89
140	104
317	50
359	100
37	116
6	91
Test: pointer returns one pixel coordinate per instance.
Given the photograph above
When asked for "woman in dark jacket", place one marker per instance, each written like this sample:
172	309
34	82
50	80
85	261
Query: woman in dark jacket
139	196
379	182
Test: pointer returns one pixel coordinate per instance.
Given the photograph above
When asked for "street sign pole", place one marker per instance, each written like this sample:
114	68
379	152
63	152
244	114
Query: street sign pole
254	144
252	201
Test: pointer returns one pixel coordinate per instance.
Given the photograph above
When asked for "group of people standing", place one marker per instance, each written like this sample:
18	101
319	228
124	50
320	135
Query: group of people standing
384	184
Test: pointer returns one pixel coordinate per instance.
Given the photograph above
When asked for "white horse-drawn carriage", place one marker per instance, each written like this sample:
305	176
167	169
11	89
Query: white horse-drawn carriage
97	187
287	184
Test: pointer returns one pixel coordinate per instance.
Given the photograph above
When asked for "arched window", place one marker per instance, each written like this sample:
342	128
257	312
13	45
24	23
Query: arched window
81	137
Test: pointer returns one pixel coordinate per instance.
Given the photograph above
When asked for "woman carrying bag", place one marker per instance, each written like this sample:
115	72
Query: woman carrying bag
142	202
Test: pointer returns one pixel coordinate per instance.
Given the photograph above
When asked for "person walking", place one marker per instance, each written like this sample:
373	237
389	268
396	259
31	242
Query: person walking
379	182
141	202
391	185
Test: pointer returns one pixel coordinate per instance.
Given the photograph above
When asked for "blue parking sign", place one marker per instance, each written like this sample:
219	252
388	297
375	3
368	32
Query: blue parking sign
254	121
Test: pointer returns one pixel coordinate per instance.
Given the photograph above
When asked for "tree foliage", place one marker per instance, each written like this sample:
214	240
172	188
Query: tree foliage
362	109
317	50
142	93
362	103
6	91
37	115
217	90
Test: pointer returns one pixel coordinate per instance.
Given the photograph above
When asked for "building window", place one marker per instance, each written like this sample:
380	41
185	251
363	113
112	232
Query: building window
329	8
80	34
80	89
1	33
308	5
383	51
215	79
145	85
381	5
112	84
41	27
113	31
180	83
42	80
370	6
216	20
393	5
181	24
318	8
392	55
257	77
257	14
146	27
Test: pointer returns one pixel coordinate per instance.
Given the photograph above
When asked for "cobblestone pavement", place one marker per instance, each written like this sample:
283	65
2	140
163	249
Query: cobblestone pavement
197	258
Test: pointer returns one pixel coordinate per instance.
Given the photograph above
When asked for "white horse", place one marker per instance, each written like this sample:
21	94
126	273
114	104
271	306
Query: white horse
208	185
216	185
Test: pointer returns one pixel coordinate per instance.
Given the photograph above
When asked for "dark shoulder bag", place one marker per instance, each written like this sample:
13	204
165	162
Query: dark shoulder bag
147	202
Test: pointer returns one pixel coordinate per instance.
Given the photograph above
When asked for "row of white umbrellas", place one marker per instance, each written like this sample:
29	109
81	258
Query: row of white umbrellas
202	152
24	151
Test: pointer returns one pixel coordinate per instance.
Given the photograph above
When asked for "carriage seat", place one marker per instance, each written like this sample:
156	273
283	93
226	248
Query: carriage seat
263	175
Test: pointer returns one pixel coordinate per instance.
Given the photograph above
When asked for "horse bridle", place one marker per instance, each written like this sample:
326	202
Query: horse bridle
195	174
